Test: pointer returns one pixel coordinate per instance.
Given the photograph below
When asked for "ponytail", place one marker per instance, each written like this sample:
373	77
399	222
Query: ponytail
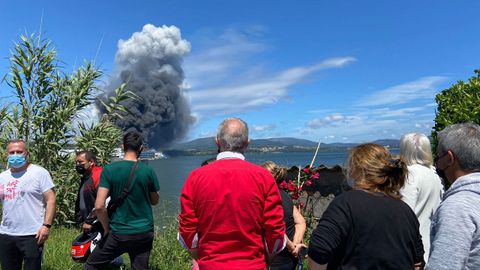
376	170
395	172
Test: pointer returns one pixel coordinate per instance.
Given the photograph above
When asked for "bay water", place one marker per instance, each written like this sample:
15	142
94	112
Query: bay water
173	171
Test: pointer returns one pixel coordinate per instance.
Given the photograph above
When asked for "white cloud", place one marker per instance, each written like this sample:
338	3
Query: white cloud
393	113
257	92
423	88
222	80
328	121
263	128
88	116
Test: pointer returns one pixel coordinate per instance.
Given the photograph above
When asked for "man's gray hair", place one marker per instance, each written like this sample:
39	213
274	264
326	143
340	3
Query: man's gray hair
232	138
464	141
415	149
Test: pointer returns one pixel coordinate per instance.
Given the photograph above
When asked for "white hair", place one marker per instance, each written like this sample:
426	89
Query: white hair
415	149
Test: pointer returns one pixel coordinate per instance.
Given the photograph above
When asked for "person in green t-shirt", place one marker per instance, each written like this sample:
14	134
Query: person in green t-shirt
130	229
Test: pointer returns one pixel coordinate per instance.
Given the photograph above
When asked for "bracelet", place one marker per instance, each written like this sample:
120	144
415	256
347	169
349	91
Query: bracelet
47	225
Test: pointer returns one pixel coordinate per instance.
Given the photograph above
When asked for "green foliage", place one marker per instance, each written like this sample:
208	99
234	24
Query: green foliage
100	138
457	104
166	253
45	113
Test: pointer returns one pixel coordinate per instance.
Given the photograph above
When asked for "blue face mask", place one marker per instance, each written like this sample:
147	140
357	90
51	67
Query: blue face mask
16	160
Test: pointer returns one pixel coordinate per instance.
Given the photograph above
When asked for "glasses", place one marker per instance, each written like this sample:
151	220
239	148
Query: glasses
439	157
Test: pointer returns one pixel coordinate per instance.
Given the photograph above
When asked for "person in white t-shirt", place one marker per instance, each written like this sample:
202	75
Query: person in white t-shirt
28	204
423	190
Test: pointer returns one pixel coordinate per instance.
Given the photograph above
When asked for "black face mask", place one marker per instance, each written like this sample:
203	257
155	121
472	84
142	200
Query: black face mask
80	168
441	173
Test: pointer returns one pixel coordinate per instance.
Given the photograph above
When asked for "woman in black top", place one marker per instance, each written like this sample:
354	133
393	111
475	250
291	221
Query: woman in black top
368	227
294	224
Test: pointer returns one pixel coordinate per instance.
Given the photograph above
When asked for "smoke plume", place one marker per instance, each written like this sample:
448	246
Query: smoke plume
150	62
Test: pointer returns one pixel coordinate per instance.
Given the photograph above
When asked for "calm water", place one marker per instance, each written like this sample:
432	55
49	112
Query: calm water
173	171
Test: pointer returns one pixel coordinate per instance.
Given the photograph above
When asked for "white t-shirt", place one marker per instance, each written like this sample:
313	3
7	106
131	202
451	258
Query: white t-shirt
22	200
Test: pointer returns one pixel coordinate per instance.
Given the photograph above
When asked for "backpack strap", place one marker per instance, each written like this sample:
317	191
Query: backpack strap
113	207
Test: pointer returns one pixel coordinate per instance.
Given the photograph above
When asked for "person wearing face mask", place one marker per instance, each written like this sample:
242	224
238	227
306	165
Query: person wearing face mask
455	235
86	166
28	209
90	173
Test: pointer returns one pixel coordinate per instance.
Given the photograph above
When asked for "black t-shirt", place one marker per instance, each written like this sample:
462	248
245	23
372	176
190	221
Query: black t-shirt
86	195
364	230
285	256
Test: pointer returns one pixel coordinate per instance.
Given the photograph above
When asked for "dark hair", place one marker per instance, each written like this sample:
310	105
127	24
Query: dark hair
132	141
89	156
374	169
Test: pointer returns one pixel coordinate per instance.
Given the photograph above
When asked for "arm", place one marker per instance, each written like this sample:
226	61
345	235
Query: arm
50	200
300	226
274	227
332	230
101	210
312	265
453	231
154	197
154	188
187	219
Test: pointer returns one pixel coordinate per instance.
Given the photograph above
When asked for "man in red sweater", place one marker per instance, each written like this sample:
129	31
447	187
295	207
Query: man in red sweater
231	211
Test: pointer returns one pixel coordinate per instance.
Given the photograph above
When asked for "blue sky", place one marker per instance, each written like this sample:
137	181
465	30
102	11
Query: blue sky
334	71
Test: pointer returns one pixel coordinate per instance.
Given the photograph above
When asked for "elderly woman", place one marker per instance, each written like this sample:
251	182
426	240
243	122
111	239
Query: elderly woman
423	189
369	227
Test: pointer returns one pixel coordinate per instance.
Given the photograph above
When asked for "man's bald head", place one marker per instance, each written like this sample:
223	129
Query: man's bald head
232	135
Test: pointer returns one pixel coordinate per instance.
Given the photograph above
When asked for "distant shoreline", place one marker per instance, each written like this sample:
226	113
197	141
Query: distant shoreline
174	152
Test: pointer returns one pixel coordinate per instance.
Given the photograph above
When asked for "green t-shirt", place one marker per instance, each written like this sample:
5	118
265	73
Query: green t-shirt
134	215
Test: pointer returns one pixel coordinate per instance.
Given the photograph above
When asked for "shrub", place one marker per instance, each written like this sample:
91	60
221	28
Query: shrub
457	104
45	113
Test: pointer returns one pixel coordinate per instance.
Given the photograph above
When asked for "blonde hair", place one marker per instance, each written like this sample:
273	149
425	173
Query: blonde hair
374	169
278	172
415	149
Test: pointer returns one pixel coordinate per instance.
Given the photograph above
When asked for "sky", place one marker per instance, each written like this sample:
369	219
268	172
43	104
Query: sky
329	71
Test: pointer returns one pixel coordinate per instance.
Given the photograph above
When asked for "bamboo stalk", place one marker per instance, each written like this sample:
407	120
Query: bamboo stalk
315	156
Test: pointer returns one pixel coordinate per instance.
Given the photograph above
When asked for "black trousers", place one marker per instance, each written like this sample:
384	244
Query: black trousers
138	247
18	250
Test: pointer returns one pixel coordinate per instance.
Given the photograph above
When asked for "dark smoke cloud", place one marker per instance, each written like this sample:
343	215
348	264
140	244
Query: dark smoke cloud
150	62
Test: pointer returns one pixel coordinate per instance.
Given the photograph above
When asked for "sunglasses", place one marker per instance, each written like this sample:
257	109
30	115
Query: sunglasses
439	157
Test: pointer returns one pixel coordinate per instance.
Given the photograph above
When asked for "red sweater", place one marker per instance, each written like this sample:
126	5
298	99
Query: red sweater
234	209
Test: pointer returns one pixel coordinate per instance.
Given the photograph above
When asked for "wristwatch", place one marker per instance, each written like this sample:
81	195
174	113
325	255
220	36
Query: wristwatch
47	225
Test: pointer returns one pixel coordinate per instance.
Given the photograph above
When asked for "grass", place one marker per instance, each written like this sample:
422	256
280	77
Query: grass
166	254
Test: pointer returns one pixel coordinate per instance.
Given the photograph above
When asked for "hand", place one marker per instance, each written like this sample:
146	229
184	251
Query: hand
86	227
42	235
194	253
297	249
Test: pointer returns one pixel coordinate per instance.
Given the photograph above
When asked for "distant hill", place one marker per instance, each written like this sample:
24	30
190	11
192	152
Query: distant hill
286	144
294	141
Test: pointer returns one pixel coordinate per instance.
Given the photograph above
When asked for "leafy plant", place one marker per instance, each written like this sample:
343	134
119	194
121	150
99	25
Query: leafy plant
457	104
302	187
45	113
